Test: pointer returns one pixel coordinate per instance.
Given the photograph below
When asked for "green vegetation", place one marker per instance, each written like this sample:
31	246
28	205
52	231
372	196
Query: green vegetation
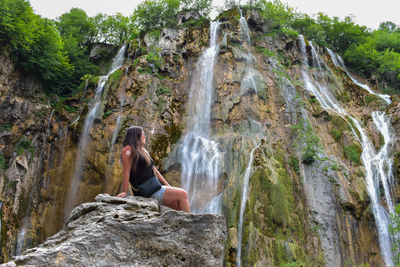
158	14
107	113
371	98
394	228
266	52
353	153
116	75
163	90
6	126
70	109
336	134
272	209
305	134
24	145
3	165
294	163
154	58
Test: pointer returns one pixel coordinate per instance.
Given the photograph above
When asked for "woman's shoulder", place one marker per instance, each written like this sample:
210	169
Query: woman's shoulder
126	151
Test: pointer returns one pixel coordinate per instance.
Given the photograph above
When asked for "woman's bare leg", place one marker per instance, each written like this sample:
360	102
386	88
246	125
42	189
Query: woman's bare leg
176	198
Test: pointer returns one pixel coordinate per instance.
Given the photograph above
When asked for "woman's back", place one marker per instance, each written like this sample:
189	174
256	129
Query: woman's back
142	172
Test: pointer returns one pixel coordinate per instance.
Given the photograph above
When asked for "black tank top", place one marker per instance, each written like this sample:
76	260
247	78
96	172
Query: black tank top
142	172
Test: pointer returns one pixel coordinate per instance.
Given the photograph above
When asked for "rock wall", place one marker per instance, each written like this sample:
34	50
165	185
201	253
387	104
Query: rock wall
312	214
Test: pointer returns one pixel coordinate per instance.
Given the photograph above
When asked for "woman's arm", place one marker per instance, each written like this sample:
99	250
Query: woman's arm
126	164
160	177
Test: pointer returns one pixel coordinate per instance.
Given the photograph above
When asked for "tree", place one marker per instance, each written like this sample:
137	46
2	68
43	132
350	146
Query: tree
112	29
388	26
275	12
155	14
76	24
46	56
202	6
17	24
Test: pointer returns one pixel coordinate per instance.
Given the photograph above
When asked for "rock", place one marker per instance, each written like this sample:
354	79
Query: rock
101	51
188	15
131	231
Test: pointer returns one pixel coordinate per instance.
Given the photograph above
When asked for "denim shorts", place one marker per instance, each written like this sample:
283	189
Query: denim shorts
159	195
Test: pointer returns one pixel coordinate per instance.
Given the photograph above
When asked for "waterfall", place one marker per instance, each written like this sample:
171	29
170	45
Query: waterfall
84	137
21	238
250	75
86	85
333	57
136	50
339	62
117	124
244	28
199	154
243	201
48	124
378	165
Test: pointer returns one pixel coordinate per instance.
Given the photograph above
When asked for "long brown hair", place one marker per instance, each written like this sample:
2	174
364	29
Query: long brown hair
133	138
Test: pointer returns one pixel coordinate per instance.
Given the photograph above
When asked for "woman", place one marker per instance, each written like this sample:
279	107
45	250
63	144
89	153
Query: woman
139	167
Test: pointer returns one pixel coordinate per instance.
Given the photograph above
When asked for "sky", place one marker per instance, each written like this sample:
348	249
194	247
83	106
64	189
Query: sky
365	12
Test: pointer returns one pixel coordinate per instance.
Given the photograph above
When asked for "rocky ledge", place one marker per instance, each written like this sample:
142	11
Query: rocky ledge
131	231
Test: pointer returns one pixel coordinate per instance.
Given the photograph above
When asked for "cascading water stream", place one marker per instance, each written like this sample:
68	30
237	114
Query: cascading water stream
243	201
250	75
117	124
378	165
84	137
339	62
244	28
199	154
48	124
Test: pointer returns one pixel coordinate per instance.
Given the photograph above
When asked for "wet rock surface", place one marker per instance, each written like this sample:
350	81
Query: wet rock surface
131	231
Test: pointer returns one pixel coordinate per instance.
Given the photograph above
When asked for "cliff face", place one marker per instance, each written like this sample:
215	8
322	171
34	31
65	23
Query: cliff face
307	200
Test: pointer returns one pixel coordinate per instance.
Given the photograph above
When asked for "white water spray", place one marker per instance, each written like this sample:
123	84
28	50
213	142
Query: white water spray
199	154
84	137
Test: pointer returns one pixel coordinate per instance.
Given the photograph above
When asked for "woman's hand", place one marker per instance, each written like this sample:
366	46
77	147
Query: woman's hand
123	194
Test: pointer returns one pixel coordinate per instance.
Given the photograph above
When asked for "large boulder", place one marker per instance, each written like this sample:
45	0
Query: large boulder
131	231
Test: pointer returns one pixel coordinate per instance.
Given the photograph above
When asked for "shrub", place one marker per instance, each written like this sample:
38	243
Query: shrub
294	163
336	134
163	90
353	153
24	145
107	113
154	58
